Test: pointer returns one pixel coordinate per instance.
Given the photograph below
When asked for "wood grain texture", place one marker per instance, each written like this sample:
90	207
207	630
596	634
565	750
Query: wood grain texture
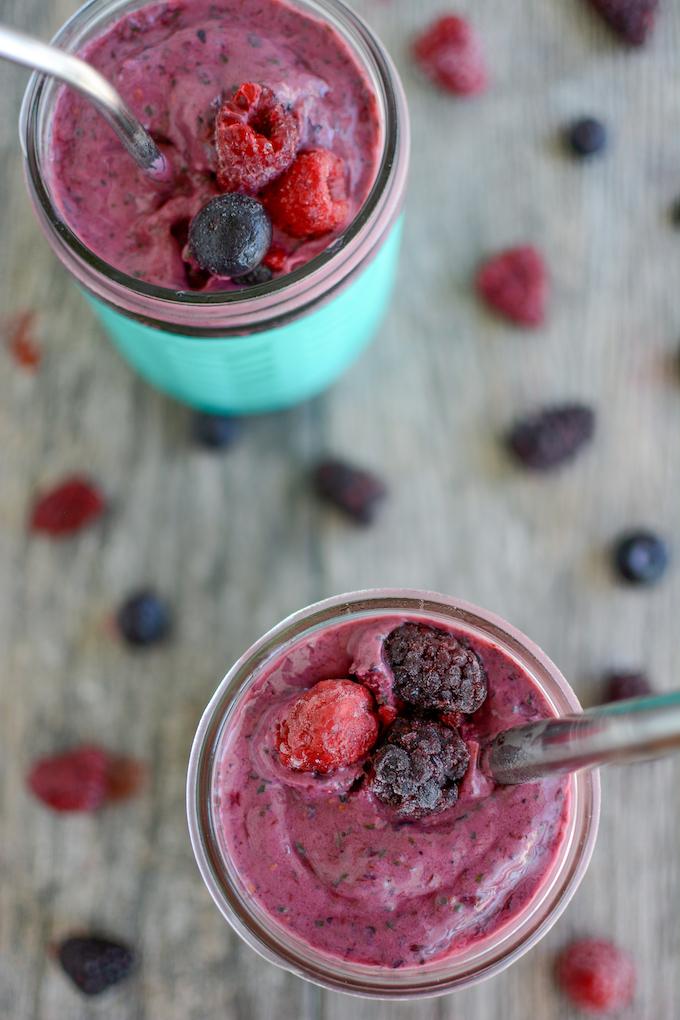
237	543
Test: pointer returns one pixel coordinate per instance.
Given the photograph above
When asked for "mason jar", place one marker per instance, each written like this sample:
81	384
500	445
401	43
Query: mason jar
483	956
265	347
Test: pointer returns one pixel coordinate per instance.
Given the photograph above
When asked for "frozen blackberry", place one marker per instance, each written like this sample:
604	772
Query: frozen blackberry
417	768
94	963
352	489
632	20
621	686
433	670
230	235
548	439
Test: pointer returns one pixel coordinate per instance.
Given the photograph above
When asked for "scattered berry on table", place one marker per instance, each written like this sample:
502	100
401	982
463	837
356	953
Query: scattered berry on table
261	274
551	437
632	20
332	725
21	340
84	778
450	54
95	963
514	283
310	199
66	508
621	686
586	136
144	619
433	670
215	431
596	975
352	489
417	767
230	235
641	557
256	139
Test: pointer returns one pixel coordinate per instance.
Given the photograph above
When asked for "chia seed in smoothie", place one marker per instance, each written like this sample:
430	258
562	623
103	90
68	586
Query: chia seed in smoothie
175	64
329	858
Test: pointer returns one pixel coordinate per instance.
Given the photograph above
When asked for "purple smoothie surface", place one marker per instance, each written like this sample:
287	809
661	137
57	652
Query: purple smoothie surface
339	869
174	63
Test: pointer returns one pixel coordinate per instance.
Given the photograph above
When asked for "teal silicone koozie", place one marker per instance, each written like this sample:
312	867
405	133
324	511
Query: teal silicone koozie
266	370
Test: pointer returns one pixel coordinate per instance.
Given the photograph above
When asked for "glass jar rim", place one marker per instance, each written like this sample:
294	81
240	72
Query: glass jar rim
285	950
318	277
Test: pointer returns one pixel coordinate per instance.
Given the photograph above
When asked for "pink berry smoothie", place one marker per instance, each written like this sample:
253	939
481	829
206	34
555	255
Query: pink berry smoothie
344	871
175	63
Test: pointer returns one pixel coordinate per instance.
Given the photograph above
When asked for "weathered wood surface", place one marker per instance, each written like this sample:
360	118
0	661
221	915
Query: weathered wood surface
237	542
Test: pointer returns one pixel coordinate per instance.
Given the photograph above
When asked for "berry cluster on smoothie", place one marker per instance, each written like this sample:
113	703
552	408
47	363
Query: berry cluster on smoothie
270	127
352	803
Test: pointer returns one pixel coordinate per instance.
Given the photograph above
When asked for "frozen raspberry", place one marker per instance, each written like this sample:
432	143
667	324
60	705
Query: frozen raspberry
417	767
310	199
256	139
596	975
83	779
76	780
67	508
621	686
354	490
95	963
275	259
514	283
22	342
551	437
331	725
633	20
433	670
449	52
452	719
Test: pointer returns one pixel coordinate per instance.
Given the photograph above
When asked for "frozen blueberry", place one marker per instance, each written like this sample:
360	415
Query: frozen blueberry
94	963
144	619
215	431
433	670
621	686
417	768
230	235
261	274
354	490
641	557
586	136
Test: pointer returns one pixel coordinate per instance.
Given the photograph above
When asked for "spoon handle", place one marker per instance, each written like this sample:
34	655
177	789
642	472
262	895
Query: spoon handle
24	49
622	732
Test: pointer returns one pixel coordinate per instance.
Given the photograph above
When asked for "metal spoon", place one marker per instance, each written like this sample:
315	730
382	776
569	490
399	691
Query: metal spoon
622	732
24	49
